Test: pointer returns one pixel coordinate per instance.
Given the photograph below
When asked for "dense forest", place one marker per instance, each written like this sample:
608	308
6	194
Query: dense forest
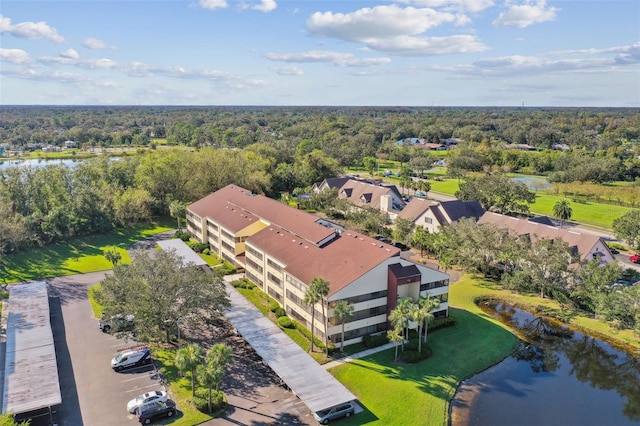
278	151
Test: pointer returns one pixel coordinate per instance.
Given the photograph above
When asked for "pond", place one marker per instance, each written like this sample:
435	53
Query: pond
38	163
556	377
533	183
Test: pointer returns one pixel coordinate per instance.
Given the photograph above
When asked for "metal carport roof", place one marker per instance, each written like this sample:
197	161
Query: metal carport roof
30	372
317	388
182	250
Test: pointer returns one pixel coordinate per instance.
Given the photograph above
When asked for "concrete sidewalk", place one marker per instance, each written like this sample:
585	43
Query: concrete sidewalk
358	355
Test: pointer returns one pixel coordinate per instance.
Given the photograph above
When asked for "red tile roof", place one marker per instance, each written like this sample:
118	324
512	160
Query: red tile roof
235	208
340	262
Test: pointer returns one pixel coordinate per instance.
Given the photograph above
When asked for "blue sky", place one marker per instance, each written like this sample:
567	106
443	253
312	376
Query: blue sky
346	52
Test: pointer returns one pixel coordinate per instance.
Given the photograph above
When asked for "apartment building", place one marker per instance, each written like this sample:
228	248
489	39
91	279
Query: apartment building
282	249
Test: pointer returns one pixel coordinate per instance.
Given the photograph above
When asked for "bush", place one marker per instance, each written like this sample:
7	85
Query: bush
436	324
184	236
412	356
285	322
206	251
306	333
198	247
374	340
274	306
280	312
201	400
243	283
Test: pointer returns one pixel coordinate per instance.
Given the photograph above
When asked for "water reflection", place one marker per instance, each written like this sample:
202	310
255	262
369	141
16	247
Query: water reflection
556	376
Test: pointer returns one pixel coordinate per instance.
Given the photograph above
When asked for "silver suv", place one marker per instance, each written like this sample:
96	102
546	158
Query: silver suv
342	410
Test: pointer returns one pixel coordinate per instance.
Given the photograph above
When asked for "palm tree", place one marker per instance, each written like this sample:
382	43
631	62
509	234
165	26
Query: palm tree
187	359
343	311
399	317
209	375
211	372
322	289
221	355
311	297
563	211
427	304
395	336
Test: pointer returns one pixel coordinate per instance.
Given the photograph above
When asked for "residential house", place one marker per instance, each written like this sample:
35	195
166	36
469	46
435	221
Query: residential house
282	249
432	215
330	183
587	246
385	198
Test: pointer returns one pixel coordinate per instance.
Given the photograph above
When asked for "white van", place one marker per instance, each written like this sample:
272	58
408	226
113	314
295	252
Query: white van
129	358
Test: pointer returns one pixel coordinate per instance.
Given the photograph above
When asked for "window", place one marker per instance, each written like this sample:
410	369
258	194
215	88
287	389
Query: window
428	220
253	252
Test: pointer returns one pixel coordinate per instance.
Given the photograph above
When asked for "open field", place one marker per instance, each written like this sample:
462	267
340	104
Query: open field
77	256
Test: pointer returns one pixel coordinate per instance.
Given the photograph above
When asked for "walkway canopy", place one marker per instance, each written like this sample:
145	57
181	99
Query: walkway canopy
30	373
182	250
316	387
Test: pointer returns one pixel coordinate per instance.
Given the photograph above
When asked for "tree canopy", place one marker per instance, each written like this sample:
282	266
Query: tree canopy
162	294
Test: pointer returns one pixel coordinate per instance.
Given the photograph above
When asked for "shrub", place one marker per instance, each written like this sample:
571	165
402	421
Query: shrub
198	247
280	312
442	323
206	251
306	333
184	236
285	322
412	356
243	283
374	340
274	306
201	400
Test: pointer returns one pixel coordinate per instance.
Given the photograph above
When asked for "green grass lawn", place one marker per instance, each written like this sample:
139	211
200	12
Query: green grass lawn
77	256
398	394
180	390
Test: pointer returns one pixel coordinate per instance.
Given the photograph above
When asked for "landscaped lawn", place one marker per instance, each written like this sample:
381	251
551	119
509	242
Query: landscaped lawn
77	256
404	394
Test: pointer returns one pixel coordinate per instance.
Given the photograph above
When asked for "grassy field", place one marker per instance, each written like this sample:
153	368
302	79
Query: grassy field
77	256
423	390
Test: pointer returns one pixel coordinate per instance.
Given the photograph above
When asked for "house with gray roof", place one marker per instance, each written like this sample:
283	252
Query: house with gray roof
432	215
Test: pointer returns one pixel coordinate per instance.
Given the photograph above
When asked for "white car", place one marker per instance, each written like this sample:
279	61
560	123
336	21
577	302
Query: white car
145	398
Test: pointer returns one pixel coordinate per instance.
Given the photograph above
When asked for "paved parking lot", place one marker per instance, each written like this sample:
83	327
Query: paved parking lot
92	393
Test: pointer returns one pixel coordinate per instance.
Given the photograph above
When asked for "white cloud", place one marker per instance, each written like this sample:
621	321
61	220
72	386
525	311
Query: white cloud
376	23
473	6
523	15
291	70
265	6
336	58
70	54
213	4
30	30
15	56
395	30
94	43
428	46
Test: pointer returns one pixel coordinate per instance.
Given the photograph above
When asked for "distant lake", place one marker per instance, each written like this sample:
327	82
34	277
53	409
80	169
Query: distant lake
39	162
533	183
557	377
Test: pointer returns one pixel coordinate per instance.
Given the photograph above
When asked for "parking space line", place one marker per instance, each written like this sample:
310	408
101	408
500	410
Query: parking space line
143	387
135	378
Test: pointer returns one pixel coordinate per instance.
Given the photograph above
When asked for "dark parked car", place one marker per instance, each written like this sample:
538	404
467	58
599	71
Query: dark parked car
155	410
614	250
402	247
